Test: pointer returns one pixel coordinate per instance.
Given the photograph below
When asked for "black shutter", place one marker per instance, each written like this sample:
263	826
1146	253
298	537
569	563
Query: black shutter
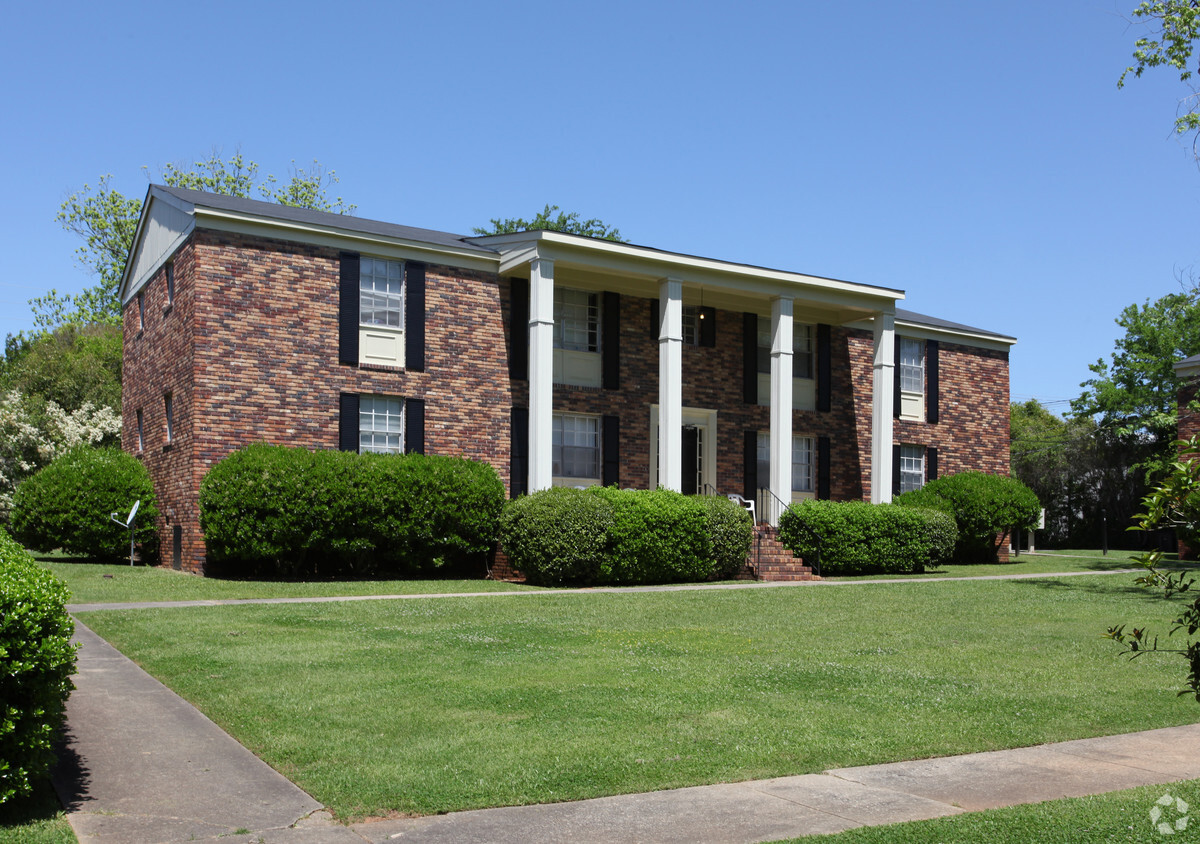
610	345
895	470
708	326
414	317
611	450
896	380
750	358
518	354
654	328
932	387
931	469
823	468
414	426
348	421
518	453
824	369
750	465
348	311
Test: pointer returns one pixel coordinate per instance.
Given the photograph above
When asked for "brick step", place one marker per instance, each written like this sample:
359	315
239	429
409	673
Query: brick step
769	560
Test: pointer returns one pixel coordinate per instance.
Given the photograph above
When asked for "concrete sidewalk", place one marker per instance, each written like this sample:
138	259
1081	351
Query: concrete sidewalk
142	765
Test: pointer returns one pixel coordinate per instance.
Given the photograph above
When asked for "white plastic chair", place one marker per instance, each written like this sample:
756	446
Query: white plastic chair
746	503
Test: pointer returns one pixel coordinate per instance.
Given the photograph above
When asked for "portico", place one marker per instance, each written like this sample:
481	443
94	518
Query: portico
681	289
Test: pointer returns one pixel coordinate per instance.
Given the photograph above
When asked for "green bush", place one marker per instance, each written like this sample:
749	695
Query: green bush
730	533
854	537
657	536
68	503
288	512
557	536
612	536
36	663
983	505
941	532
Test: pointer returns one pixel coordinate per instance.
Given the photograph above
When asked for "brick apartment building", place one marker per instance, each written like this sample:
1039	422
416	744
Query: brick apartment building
559	359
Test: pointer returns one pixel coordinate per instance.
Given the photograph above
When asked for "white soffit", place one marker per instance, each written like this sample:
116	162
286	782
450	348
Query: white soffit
162	228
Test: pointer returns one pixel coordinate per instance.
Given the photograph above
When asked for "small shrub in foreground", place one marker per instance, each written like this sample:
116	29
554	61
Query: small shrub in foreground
657	536
36	663
730	533
68	503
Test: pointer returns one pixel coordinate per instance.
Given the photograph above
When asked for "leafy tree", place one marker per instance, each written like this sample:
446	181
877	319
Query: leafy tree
71	366
1134	396
1079	472
106	220
547	220
1175	29
1173	503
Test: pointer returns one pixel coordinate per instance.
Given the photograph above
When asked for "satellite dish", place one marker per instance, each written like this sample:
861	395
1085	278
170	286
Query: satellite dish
133	512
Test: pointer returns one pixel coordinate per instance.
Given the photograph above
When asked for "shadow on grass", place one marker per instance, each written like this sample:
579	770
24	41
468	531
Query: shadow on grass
1100	587
41	805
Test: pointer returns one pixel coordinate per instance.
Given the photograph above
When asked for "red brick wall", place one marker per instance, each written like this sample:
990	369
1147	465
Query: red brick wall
261	364
158	359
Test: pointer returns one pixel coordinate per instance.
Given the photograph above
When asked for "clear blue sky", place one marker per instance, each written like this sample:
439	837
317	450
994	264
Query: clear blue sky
976	154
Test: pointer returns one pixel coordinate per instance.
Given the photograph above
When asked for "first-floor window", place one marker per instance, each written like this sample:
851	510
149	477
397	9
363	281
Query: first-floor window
802	462
912	467
576	451
380	425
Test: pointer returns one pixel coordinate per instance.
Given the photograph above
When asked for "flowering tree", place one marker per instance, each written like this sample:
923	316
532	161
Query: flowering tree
33	433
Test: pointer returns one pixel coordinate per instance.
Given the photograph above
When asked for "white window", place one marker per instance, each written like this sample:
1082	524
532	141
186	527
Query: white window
802	348
576	449
380	425
802	462
691	325
381	292
141	440
576	320
912	467
169	411
912	365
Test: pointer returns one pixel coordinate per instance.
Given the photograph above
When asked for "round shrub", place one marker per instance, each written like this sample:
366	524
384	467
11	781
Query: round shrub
557	536
36	663
68	503
984	506
941	532
288	512
730	533
657	536
854	537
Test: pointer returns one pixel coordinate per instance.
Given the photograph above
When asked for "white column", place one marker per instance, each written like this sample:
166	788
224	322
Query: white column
781	405
541	373
882	407
670	384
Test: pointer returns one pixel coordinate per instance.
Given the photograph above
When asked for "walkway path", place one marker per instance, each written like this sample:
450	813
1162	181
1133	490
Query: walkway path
142	765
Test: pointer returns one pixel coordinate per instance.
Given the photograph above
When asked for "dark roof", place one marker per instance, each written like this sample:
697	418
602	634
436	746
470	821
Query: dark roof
934	322
346	222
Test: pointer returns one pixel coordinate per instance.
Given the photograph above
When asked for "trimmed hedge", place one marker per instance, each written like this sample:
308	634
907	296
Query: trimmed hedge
612	536
67	505
288	512
861	538
731	533
36	663
557	536
983	506
657	536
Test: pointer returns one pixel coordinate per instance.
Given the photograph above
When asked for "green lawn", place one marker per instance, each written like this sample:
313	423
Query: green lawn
1122	816
38	819
445	704
92	583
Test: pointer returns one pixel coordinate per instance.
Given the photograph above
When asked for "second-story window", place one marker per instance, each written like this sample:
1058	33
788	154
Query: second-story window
381	292
576	320
912	365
